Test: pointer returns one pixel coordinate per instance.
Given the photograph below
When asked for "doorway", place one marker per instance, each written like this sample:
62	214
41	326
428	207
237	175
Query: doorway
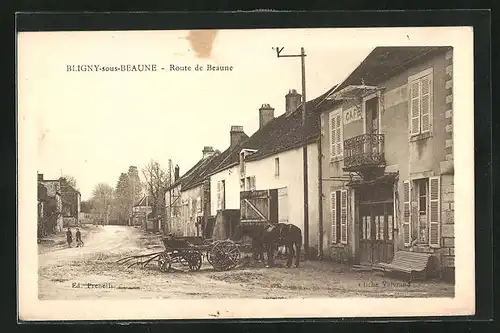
376	225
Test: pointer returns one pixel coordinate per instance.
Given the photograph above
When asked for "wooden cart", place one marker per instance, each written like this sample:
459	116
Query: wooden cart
190	251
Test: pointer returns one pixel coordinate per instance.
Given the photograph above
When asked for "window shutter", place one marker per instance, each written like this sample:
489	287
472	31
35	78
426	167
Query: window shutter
218	195
343	217
338	139
426	103
434	210
333	136
333	203
414	108
407	213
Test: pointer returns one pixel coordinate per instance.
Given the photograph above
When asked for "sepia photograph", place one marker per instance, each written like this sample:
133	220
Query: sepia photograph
245	173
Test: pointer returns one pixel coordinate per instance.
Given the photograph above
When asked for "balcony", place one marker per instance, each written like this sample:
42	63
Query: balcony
364	152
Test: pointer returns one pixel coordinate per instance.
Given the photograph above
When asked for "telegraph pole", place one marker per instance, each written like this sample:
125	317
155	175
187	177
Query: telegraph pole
302	56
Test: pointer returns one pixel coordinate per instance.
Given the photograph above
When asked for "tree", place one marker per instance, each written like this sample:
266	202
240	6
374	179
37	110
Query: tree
87	206
123	198
102	197
135	184
157	181
70	180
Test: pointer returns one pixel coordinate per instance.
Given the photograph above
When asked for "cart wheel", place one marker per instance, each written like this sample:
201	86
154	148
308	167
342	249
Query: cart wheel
164	262
195	260
224	255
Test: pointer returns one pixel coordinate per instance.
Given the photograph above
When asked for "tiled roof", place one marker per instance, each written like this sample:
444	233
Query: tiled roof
286	132
199	172
385	62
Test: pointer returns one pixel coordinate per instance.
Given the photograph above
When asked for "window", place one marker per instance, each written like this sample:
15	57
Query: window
242	184
420	102
338	204
336	135
250	183
422	185
198	205
277	166
424	195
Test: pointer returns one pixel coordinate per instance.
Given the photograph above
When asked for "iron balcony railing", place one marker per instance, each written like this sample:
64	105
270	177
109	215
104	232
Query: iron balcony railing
366	150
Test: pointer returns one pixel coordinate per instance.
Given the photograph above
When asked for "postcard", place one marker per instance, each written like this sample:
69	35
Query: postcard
260	173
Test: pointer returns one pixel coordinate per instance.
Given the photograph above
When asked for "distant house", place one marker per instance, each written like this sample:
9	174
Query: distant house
141	212
50	206
71	198
88	218
188	199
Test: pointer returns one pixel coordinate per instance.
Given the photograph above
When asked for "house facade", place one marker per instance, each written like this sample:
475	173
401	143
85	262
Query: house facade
72	199
141	213
50	206
271	161
188	199
387	158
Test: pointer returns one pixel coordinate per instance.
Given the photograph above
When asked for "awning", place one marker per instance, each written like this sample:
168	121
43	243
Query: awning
353	92
386	178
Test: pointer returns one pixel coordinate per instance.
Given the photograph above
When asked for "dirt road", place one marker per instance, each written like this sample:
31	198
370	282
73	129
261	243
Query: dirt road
91	272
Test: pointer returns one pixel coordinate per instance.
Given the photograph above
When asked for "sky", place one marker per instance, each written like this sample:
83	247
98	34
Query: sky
94	125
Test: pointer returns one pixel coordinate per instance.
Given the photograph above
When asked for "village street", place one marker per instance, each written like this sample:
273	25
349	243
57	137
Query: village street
92	272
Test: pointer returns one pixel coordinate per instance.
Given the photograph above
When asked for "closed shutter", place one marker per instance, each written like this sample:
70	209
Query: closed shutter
407	213
414	107
218	195
333	136
426	103
434	210
333	203
343	217
338	139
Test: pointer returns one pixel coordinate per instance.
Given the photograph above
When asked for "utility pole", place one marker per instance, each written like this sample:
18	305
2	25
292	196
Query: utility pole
302	56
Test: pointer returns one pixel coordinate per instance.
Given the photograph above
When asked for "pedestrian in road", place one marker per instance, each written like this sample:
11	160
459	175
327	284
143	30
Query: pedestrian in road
79	242
69	237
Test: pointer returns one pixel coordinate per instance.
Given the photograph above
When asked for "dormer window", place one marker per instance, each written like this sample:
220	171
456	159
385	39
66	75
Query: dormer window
242	162
243	154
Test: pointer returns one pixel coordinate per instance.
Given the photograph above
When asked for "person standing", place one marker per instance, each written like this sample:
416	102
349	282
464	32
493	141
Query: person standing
69	237
79	242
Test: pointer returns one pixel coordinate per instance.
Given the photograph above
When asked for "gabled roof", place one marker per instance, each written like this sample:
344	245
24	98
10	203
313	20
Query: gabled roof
384	62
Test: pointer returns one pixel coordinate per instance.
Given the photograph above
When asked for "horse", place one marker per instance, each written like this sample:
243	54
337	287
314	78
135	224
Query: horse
270	236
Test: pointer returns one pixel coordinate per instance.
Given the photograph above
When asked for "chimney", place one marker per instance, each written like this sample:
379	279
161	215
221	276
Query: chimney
266	114
40	176
236	135
292	101
176	173
208	151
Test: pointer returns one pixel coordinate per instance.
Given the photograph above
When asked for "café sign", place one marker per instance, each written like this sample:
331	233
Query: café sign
352	114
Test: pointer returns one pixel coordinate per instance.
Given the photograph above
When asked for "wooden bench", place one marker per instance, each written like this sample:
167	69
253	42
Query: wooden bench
409	263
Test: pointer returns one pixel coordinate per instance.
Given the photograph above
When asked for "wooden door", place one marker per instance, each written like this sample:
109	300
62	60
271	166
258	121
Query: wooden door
376	232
